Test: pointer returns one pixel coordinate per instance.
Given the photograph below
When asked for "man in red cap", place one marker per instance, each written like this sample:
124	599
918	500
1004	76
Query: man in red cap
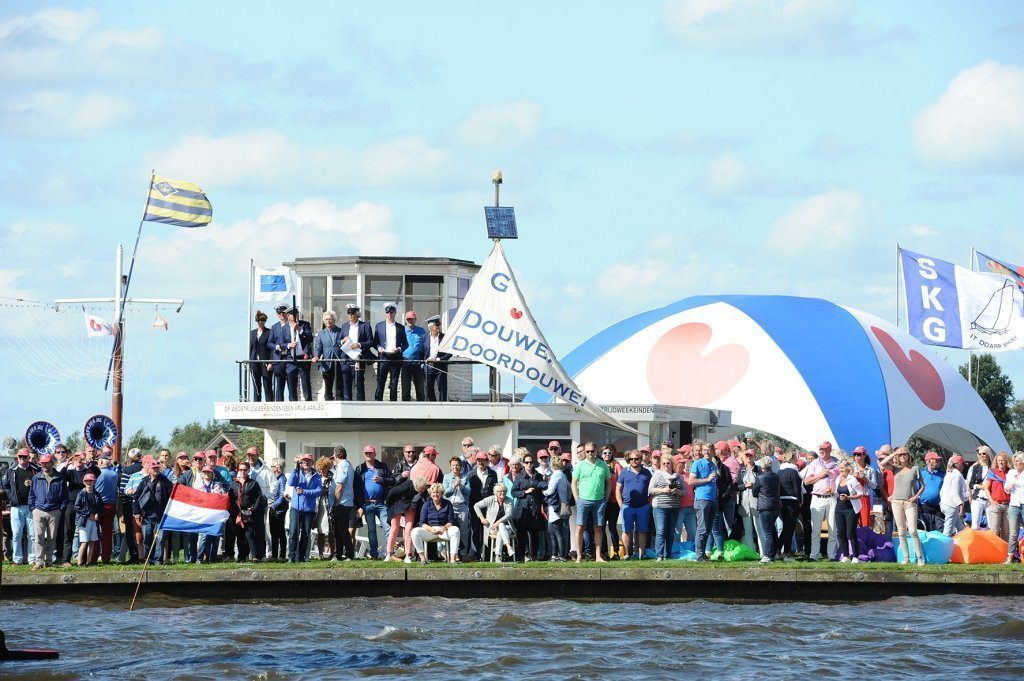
47	497
426	465
16	483
931	478
412	360
821	474
370	484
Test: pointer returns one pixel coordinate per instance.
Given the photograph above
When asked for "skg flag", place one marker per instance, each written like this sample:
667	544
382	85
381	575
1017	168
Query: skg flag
176	202
952	306
494	327
272	286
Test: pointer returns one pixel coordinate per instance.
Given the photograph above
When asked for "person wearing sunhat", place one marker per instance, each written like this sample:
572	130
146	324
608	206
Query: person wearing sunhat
390	340
353	372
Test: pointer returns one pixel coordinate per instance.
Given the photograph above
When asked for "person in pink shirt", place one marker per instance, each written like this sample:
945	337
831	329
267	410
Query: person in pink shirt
687	518
426	467
821	474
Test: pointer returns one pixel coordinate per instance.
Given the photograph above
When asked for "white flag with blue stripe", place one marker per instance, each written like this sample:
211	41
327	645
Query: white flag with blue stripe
273	286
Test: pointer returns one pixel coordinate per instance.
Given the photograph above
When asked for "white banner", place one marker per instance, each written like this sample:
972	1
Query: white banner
96	327
272	286
954	307
494	326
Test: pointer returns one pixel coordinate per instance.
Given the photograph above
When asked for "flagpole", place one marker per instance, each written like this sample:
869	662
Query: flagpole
145	566
248	367
898	267
970	352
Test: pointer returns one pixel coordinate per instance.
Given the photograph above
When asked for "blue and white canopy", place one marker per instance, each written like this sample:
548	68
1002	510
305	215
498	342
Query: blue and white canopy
804	369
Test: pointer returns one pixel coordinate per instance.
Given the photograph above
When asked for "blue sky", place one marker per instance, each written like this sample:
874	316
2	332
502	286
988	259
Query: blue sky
654	152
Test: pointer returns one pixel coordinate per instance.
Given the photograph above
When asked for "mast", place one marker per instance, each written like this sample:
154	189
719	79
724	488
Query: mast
117	396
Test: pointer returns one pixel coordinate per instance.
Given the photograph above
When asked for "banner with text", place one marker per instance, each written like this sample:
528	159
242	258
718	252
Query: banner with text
493	326
954	307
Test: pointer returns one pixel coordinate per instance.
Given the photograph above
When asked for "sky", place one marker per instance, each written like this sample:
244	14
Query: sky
652	152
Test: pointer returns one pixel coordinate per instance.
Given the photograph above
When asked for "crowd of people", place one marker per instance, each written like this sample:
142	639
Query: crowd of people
479	505
282	356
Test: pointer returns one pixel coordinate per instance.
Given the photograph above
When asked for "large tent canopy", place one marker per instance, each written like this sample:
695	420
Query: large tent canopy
804	369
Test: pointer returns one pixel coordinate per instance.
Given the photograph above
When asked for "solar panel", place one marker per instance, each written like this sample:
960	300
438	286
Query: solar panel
501	222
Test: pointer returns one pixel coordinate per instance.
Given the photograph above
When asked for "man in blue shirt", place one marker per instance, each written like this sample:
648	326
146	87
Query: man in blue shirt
703	478
631	492
412	356
343	503
369	491
931	479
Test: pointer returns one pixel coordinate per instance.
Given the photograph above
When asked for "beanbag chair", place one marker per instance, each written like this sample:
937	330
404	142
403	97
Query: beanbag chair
683	551
873	547
981	546
736	551
937	548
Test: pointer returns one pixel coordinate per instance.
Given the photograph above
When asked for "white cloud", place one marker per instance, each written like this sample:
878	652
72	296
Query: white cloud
61	115
830	221
770	26
184	262
499	126
63	45
727	175
923	231
267	159
977	123
8	279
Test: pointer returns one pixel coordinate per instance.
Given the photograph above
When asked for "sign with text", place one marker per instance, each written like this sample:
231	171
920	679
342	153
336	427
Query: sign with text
494	326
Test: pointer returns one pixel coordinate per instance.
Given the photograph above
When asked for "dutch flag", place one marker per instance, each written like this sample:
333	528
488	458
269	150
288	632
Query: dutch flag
192	510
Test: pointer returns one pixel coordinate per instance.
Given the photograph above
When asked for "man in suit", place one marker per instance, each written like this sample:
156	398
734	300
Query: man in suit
360	335
299	348
327	351
435	363
390	341
412	357
278	344
259	353
481	485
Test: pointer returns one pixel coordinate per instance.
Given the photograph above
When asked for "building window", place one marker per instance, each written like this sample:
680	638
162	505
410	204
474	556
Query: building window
601	435
343	292
423	294
536	435
314	300
380	290
392	454
459	291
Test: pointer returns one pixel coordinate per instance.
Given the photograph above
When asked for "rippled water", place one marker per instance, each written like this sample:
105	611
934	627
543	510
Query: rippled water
938	637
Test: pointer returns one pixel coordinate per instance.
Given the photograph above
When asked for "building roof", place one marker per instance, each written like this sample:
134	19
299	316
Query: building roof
379	260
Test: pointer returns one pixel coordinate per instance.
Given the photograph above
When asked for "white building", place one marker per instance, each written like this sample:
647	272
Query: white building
433	286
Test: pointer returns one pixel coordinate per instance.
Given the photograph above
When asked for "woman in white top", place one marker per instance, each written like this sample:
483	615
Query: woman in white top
953	496
848	494
975	477
1015	488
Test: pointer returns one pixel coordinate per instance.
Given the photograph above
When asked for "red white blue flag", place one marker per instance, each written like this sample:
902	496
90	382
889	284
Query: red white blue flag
192	510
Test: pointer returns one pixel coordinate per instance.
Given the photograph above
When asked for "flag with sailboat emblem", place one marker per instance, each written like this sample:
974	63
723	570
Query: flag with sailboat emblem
176	202
954	307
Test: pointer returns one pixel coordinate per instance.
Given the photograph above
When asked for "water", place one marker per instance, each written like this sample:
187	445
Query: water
504	639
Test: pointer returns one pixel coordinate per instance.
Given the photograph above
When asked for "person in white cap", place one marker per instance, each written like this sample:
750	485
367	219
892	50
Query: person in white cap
390	341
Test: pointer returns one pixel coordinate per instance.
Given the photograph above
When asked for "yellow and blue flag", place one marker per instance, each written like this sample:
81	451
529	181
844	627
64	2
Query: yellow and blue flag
174	202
